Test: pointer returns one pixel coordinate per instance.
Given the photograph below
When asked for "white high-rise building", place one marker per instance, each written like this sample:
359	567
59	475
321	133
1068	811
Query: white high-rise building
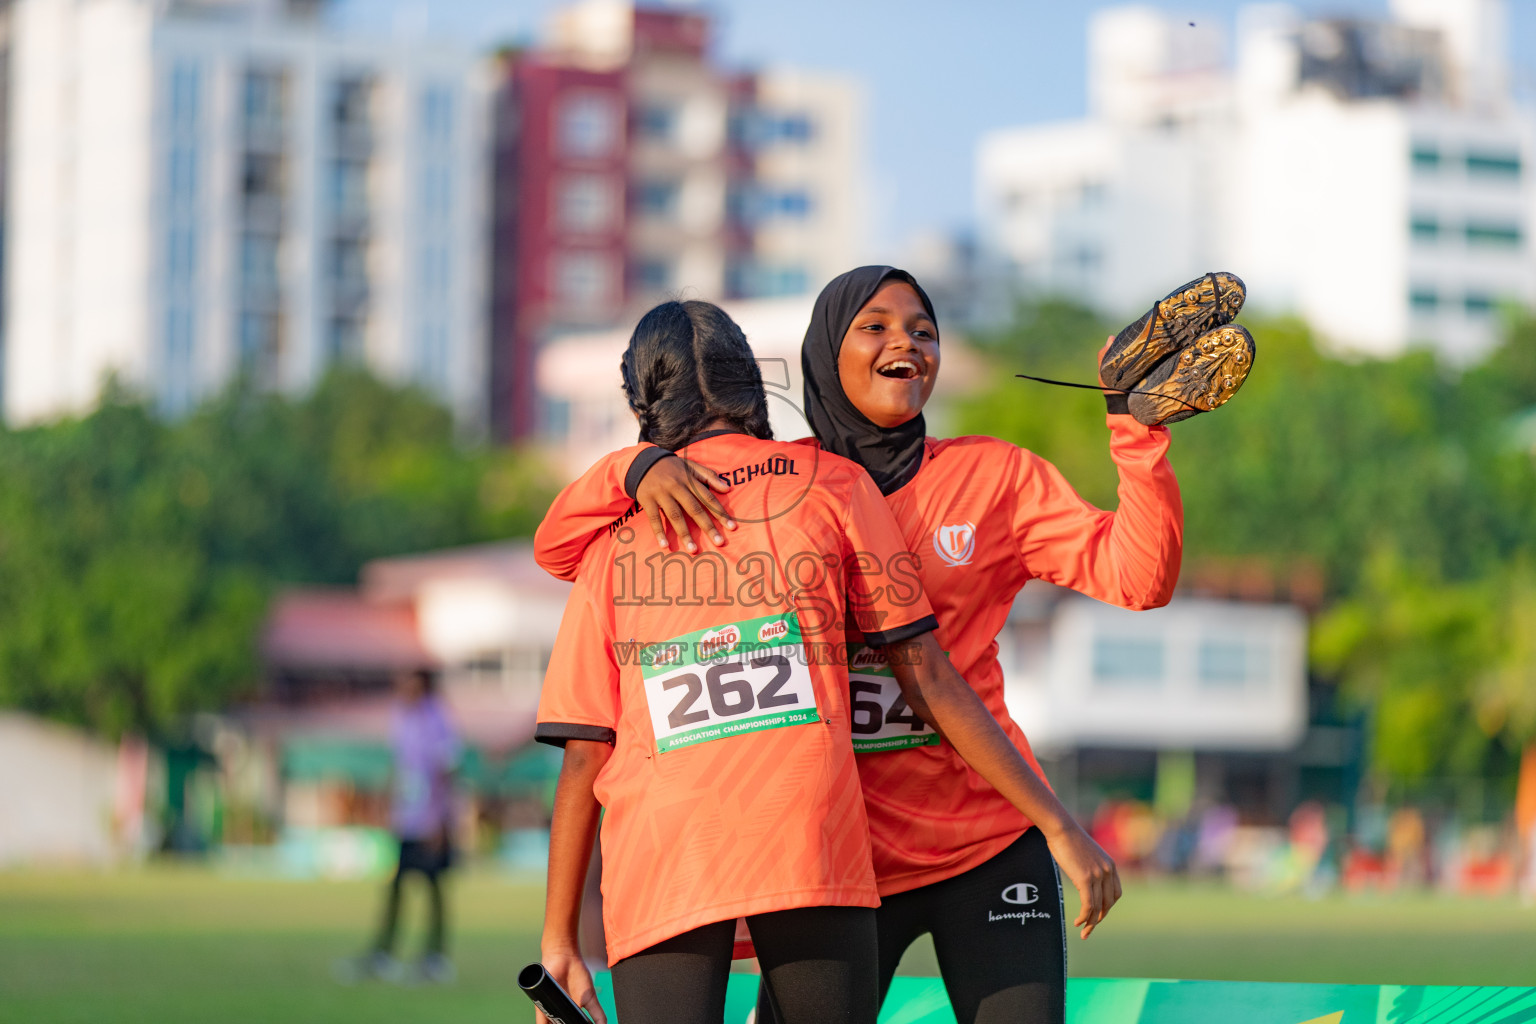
1375	177
203	189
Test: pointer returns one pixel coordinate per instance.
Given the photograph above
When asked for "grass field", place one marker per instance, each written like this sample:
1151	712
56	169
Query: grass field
186	946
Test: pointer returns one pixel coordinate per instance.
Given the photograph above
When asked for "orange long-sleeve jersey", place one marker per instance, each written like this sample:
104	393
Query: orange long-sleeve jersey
983	517
733	788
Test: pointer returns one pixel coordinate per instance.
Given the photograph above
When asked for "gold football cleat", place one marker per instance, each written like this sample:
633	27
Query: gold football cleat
1175	321
1200	378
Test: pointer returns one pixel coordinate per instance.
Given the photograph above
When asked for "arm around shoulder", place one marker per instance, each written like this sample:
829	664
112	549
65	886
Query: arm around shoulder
582	511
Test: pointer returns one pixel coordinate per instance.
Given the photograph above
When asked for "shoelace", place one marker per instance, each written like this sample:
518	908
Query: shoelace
1101	387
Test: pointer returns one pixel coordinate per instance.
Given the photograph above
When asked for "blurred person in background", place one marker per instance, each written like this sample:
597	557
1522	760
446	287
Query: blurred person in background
426	748
1407	848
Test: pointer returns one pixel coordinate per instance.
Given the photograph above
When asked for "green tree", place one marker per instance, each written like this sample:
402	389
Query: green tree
138	555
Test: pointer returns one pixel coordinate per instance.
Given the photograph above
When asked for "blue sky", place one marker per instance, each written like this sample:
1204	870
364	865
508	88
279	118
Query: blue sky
936	75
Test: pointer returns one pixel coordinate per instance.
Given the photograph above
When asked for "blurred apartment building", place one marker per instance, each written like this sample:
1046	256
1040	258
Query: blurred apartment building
630	166
1373	176
201	189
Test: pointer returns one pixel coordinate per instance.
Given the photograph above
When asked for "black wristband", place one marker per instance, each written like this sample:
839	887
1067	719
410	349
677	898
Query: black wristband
641	466
1117	402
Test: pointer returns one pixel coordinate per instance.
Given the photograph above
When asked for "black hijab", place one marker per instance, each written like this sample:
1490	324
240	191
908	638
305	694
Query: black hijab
891	456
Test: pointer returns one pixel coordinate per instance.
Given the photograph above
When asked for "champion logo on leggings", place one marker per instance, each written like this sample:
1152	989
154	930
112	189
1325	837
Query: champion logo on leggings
1021	892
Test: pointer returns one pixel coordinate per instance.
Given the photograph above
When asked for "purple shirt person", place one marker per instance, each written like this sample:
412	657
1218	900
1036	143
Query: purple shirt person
426	747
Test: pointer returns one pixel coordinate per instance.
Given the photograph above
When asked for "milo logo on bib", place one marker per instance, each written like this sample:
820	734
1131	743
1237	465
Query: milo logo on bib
728	680
881	718
774	630
722	641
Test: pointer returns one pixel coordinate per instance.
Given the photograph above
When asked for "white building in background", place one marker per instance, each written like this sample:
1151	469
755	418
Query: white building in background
70	798
1375	177
805	204
200	189
578	375
1194	675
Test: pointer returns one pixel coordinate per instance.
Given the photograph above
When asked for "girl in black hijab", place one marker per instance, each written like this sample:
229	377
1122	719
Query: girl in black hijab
891	454
953	857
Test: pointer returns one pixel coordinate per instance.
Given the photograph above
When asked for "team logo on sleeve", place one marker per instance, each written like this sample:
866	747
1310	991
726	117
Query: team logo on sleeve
955	545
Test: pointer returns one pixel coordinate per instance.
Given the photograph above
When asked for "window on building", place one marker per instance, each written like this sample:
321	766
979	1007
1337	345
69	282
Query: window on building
259	340
1426	157
651	275
585	280
349	263
436	193
589	125
1424	228
747	128
437	114
655	122
1477	304
749	279
180	254
186	98
794	203
258	262
1126	661
796	128
1494	165
178	334
1229	664
656	198
1424	300
1492	235
344	339
347	185
351	102
263	175
265	98
432	353
433	270
783	280
176	385
183	174
587	203
745	203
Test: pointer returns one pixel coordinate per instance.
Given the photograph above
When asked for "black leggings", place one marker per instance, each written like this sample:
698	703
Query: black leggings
430	861
818	962
999	931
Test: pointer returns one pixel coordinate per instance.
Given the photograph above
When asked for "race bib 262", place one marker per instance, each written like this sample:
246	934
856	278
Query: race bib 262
728	680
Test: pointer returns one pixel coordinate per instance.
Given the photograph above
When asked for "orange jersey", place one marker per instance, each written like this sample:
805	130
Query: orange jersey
983	517
721	680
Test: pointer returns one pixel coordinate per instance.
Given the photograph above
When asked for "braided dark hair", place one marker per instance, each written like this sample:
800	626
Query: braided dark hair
688	364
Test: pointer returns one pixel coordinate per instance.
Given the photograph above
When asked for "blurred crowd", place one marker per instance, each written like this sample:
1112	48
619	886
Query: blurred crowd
1321	850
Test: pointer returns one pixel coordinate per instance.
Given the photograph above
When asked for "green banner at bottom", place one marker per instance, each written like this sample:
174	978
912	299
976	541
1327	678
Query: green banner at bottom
1144	1001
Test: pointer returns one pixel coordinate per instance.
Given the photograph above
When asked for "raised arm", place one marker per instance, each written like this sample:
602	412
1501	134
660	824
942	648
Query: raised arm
641	477
1129	557
938	693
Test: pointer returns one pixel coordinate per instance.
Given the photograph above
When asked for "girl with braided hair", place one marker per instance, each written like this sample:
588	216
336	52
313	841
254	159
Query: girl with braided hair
704	707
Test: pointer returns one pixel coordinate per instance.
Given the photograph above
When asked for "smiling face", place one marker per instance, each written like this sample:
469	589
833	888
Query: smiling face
890	356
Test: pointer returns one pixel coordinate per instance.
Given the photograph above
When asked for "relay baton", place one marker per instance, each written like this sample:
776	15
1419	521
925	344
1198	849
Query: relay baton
548	996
